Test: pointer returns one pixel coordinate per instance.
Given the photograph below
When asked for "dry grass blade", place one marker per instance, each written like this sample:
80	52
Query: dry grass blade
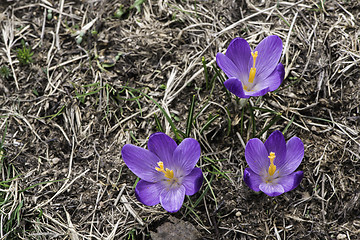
131	210
72	232
65	186
7	30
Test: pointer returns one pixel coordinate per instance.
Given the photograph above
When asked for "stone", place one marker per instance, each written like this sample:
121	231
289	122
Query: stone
176	229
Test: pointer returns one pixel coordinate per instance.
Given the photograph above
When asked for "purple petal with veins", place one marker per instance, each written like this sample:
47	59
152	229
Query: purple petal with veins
252	73
272	164
167	170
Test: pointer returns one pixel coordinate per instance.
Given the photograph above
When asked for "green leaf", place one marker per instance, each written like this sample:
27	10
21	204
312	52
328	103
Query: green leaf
242	121
137	4
251	110
222	80
119	12
207	124
190	117
158	124
272	122
205	72
288	125
168	118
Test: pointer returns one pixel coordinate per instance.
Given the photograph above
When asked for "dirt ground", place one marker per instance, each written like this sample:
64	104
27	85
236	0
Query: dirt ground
107	72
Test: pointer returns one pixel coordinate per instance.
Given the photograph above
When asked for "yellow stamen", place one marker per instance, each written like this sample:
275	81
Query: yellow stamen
272	167
253	69
168	173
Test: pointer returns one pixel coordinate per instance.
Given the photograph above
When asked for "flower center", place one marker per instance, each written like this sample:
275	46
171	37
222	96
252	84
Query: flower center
253	69
167	172
272	167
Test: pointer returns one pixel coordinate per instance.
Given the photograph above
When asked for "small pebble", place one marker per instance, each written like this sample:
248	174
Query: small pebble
55	160
341	236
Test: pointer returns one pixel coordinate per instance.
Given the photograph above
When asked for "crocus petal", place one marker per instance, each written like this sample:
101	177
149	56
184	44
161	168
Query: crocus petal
225	63
256	93
193	181
148	193
186	155
256	156
235	86
293	158
172	199
163	146
281	71
269	53
239	52
273	81
252	179
276	144
141	162
291	181
271	190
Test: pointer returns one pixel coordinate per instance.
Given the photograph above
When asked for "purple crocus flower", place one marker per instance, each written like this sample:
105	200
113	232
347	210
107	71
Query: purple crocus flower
272	164
252	73
167	171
